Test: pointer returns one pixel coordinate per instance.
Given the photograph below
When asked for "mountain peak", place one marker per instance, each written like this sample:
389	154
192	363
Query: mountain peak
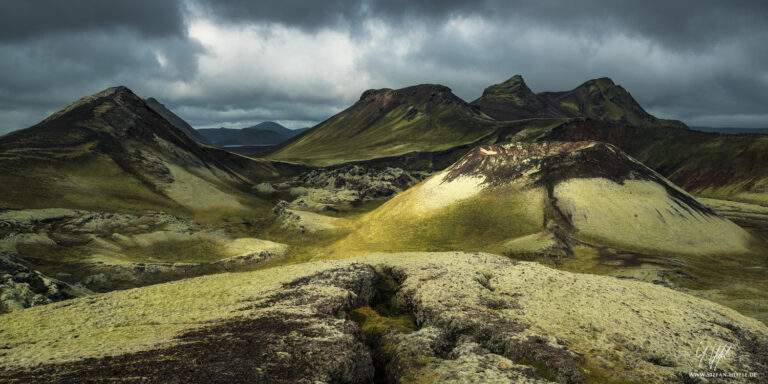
602	84
515	80
423	96
118	92
514	89
513	100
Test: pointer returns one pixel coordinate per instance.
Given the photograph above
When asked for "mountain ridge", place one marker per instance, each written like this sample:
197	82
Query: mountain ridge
386	122
387	116
177	121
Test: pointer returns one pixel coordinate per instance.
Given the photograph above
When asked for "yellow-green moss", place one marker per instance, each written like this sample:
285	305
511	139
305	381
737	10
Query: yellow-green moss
374	325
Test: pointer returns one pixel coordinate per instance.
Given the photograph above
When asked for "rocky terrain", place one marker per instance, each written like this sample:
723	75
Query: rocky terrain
419	317
48	255
331	189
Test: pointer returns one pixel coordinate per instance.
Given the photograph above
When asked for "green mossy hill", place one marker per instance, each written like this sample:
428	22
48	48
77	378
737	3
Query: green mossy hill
498	193
602	99
388	122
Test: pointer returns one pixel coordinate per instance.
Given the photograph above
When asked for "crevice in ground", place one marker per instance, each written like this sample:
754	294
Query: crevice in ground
443	348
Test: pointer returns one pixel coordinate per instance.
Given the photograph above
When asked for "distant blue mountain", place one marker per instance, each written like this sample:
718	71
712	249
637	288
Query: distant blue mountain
266	133
732	131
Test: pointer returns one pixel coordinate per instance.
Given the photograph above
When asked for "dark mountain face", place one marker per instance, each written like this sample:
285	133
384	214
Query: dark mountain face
513	100
177	121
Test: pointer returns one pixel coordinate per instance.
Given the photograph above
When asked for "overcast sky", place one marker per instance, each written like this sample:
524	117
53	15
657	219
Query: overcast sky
237	63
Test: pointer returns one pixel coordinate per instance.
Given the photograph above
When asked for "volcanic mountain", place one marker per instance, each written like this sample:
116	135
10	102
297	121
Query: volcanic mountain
388	122
523	195
112	151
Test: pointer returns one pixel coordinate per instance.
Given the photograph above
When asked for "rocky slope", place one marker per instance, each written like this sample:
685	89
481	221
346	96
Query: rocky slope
110	151
567	192
432	317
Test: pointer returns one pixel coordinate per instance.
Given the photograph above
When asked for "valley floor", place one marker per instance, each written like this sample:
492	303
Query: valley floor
414	317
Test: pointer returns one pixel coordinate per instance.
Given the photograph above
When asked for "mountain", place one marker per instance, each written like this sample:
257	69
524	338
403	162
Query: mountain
215	135
252	136
112	151
387	122
277	128
177	121
262	134
553	195
733	131
599	99
407	128
429	118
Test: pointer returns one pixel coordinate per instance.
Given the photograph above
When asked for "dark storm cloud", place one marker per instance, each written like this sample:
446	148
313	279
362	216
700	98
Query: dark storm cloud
684	24
305	13
23	19
238	62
